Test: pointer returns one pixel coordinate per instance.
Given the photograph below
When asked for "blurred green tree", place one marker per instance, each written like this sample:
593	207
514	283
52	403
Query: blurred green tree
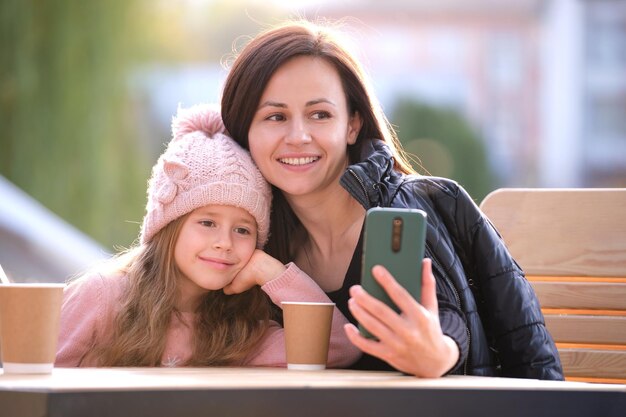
74	133
65	114
444	144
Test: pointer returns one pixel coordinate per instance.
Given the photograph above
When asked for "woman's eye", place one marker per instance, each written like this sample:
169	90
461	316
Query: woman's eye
207	223
321	115
276	117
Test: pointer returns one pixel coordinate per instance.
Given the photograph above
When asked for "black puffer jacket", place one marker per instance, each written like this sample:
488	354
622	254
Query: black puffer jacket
505	326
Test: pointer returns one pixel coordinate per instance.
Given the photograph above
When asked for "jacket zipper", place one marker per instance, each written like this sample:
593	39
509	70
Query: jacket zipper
458	304
360	181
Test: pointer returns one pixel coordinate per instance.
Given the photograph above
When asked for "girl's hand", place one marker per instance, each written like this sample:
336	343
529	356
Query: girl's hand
411	342
261	268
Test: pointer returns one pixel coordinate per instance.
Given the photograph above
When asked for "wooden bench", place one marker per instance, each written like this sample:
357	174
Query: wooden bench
571	244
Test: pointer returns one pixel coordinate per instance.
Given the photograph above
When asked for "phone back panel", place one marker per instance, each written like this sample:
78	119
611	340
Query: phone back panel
402	256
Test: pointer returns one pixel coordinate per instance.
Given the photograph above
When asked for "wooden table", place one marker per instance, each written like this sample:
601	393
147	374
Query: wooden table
242	392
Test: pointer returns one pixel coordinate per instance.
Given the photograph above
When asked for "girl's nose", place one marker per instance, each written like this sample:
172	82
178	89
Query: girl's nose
298	133
223	241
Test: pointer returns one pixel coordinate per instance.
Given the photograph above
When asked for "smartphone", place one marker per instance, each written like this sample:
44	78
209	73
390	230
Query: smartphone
394	238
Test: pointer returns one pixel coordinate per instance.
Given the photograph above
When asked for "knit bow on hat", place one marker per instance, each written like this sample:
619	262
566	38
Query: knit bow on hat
175	174
203	166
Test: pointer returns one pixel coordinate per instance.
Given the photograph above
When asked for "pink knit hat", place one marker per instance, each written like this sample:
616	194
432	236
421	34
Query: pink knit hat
203	166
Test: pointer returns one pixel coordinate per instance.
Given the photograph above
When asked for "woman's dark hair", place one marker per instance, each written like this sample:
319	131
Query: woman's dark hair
248	77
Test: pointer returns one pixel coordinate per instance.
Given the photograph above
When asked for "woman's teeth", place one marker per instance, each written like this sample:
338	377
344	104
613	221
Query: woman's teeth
299	161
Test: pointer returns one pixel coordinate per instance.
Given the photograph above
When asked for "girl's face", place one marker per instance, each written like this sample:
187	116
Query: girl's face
301	129
214	244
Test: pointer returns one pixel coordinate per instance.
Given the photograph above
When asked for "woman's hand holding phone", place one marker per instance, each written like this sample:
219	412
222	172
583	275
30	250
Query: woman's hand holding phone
394	238
411	340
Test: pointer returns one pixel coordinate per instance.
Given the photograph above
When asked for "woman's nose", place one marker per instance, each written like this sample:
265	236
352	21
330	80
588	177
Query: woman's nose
298	133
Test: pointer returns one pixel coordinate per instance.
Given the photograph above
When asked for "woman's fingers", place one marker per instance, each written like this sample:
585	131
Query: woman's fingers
411	341
398	294
375	316
429	288
380	319
370	346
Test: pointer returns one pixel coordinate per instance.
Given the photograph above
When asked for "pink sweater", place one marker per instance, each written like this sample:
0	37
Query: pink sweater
89	307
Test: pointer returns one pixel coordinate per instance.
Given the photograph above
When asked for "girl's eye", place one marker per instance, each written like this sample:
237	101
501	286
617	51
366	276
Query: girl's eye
242	231
321	115
207	223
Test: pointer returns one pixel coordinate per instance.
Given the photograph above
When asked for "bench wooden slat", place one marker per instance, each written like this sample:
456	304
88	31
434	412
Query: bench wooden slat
582	312
553	278
621	381
593	363
562	231
587	329
596	346
584	295
571	244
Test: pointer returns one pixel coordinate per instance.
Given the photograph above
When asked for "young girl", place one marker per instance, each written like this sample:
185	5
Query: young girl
164	302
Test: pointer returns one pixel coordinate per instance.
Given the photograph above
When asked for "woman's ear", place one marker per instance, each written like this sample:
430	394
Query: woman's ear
354	127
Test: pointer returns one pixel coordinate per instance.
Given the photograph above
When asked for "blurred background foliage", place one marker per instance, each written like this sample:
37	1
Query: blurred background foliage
444	144
65	115
74	131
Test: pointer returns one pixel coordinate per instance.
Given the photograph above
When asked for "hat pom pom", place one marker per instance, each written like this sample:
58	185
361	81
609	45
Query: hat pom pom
202	117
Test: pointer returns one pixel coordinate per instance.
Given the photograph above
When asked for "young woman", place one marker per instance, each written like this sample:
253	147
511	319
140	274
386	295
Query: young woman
300	102
165	302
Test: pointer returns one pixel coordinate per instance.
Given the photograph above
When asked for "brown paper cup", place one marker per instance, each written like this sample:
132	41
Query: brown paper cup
307	334
29	326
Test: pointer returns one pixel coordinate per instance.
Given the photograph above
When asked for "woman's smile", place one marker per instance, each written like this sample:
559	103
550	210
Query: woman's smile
306	160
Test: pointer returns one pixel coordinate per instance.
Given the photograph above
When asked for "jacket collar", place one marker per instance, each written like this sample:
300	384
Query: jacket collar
370	180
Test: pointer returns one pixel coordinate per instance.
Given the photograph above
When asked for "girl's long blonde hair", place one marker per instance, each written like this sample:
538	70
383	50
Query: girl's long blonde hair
227	327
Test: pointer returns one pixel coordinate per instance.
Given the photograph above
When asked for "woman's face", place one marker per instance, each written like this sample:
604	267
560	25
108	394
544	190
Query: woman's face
214	244
301	129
